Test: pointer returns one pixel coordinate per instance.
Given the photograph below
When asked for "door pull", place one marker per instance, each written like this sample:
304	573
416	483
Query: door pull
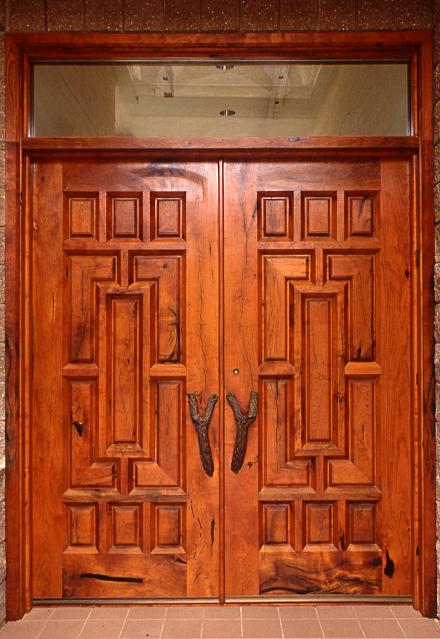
201	425
242	423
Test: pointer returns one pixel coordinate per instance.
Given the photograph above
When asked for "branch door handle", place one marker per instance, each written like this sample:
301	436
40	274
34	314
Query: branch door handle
201	425
242	423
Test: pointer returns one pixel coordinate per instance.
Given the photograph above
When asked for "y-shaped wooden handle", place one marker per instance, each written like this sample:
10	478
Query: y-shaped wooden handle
242	424
201	425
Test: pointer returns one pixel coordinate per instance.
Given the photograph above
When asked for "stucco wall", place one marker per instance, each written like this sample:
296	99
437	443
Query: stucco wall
211	15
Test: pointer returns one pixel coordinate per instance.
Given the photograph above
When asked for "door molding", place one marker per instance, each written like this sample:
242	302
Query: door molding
22	49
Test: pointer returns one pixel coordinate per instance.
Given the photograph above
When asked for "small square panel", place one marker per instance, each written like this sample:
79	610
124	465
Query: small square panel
126	525
168	216
275	215
360	212
276	524
319	522
318	216
81	215
361	523
124	216
83	525
168	523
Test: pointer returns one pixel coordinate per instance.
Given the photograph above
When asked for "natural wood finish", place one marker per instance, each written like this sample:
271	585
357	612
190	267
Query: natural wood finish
21	49
328	572
112	312
329	458
424	496
321	144
241	354
308	46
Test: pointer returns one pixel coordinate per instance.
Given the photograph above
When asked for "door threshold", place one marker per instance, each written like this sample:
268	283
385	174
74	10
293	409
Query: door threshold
320	599
124	601
252	599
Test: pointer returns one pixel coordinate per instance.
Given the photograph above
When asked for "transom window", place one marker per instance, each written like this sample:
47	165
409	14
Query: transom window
220	99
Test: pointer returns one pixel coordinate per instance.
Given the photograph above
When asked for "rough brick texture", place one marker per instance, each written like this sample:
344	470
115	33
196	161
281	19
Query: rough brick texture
211	15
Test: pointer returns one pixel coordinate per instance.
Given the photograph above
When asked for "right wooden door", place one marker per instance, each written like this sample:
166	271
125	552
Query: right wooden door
317	322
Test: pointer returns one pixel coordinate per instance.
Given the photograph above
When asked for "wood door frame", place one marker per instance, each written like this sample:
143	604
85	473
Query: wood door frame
22	49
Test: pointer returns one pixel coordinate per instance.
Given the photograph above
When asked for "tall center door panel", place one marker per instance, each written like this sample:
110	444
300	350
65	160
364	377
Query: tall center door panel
125	315
317	321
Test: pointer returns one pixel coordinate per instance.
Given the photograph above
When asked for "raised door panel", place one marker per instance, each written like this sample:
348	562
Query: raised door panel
316	333
125	323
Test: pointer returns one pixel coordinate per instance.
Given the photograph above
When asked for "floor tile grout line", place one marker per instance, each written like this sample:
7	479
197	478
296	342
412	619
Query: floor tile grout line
123	623
360	624
45	623
398	622
281	624
84	623
163	623
319	621
203	623
241	622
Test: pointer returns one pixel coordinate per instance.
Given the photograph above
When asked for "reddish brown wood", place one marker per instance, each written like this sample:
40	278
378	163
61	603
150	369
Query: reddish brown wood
328	462
423	259
337	45
319	144
21	50
123	328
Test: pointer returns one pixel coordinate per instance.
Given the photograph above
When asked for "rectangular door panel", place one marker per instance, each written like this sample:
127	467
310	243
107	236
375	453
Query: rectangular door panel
125	323
317	317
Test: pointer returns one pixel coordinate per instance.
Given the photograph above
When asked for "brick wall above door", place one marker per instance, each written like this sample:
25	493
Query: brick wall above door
214	15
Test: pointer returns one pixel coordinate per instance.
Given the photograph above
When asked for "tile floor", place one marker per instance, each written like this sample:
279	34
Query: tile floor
229	622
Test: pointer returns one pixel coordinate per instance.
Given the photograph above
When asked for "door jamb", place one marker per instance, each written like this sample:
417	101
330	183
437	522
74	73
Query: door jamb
21	49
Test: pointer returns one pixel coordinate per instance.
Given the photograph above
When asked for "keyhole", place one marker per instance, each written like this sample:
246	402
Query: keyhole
235	371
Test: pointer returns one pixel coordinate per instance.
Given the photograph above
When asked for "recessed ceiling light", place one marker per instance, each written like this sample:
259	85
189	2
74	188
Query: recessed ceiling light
227	113
224	67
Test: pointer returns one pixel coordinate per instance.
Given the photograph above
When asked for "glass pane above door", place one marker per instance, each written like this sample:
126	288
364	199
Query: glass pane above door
227	99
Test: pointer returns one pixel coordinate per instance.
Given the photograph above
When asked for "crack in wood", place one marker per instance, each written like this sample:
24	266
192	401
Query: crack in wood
389	566
93	575
212	533
79	426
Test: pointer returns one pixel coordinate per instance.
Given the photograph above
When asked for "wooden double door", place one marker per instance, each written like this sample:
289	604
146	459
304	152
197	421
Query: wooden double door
220	378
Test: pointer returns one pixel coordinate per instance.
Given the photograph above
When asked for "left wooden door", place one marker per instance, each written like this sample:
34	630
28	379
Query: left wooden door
124	323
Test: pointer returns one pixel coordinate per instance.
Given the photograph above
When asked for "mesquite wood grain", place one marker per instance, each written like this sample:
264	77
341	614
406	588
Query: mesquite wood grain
201	425
242	424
